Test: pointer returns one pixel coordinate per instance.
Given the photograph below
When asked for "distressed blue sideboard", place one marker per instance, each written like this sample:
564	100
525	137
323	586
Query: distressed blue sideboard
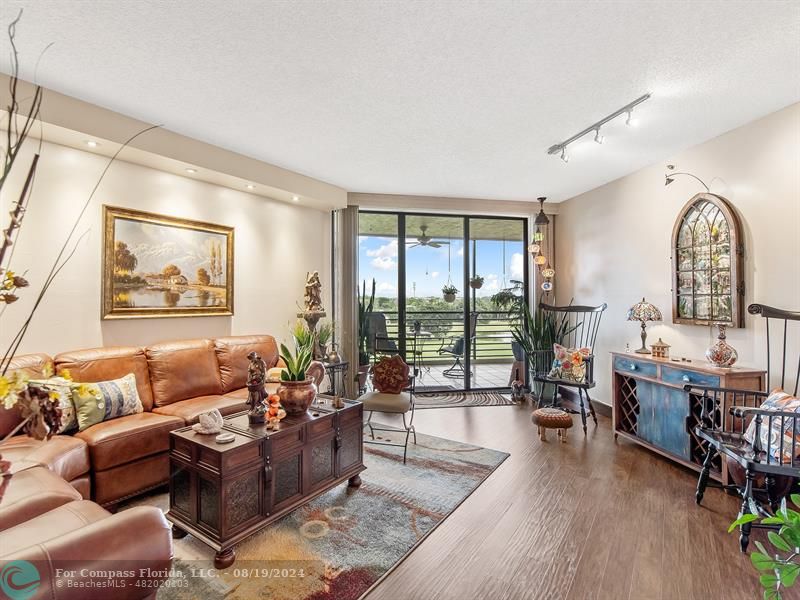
651	408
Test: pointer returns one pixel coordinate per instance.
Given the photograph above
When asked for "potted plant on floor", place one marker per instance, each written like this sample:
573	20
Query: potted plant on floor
476	282
449	292
365	307
536	336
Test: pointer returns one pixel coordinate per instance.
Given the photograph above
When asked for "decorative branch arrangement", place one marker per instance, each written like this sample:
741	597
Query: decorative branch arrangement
38	407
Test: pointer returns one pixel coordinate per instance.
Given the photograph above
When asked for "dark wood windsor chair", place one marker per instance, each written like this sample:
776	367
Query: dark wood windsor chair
725	417
574	327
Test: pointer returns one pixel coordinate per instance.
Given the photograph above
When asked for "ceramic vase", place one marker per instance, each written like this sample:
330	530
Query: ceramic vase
722	354
297	396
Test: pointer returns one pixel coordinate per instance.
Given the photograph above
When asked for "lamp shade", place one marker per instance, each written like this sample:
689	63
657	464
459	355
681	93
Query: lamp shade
644	311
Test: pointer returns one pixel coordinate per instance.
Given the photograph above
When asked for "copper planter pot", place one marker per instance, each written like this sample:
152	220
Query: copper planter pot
297	396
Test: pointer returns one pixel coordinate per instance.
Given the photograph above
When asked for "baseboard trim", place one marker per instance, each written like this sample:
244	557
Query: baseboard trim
570	398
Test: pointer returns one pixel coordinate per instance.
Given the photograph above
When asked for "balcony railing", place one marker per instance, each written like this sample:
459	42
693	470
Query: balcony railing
492	341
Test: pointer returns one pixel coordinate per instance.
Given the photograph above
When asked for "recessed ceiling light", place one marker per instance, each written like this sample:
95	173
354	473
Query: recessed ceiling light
191	170
91	143
295	198
250	186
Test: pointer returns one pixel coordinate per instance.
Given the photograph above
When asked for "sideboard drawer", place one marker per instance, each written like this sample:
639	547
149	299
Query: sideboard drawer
684	376
639	367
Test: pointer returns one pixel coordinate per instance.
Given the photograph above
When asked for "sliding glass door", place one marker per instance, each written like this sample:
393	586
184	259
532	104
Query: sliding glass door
446	292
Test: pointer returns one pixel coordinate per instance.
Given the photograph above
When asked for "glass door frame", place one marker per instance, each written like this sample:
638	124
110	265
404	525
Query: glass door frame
401	277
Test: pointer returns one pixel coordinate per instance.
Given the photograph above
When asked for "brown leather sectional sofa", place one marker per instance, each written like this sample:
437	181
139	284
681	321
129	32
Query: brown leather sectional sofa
45	515
176	381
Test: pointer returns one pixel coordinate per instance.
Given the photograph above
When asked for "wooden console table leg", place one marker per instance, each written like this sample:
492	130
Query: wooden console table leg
178	533
354	481
224	558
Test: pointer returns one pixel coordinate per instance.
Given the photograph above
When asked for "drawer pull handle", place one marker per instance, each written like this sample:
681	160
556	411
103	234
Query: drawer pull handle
686	378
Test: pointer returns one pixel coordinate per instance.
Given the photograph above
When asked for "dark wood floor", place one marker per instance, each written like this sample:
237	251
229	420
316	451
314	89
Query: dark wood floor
592	518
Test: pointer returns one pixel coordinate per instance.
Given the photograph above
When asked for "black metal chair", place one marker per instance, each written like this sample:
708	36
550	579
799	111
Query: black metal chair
455	347
573	327
725	416
379	343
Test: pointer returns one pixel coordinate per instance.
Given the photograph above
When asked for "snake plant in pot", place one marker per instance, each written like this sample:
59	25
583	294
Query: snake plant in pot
298	390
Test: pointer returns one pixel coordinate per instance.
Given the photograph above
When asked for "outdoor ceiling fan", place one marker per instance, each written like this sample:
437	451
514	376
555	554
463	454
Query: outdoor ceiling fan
426	240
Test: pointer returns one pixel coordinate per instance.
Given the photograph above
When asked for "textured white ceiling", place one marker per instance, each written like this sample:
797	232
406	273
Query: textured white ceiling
449	98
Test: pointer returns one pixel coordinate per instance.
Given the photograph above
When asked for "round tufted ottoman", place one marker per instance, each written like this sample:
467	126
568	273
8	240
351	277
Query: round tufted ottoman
551	418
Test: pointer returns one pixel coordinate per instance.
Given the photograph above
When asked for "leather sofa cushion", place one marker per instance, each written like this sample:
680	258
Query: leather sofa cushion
190	410
33	365
64	455
50	525
240	394
136	542
128	438
33	492
232	356
182	370
105	364
131	479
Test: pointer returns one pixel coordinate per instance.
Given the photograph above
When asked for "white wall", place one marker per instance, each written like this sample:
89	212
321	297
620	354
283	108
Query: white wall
275	244
613	243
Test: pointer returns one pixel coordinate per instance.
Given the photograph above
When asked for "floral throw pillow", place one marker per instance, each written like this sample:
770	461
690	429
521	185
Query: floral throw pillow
390	375
780	401
60	389
569	364
106	400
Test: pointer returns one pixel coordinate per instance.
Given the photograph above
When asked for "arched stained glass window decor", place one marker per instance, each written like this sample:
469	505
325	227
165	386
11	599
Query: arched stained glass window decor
707	250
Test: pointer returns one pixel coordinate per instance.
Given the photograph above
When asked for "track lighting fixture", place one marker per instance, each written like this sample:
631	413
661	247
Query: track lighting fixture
595	127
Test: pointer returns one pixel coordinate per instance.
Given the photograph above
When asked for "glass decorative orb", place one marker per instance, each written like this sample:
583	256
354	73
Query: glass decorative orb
538	236
548	272
547	286
534	248
540	260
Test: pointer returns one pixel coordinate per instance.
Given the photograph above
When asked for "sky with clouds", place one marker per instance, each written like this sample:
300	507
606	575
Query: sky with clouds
427	267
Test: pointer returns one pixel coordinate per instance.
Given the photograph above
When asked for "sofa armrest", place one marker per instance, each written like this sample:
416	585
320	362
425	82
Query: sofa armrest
126	555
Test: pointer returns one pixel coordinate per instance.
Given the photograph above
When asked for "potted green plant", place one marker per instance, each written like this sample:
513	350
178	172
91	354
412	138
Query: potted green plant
303	338
449	292
324	335
297	390
476	282
536	336
780	568
365	307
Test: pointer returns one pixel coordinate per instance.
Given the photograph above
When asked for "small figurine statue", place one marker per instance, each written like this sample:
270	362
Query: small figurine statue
256	391
313	293
517	391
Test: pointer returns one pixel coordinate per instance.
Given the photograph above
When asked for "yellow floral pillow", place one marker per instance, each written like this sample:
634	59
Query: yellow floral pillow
569	364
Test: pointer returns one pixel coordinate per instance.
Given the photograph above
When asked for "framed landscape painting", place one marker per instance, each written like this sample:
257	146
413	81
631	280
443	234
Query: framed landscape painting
157	266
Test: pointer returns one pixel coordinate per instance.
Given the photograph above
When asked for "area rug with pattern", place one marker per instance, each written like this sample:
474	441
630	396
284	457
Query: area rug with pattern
343	542
435	399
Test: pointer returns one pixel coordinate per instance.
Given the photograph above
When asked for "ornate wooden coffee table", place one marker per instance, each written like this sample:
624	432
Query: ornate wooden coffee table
223	493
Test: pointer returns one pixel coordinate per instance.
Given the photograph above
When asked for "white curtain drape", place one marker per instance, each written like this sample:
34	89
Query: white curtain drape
345	284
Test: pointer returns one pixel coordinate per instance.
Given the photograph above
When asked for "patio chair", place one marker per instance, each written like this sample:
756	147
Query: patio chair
575	327
762	442
378	341
393	393
455	347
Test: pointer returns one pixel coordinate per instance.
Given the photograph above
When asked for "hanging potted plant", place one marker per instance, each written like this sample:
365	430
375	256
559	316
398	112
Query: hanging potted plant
476	282
449	292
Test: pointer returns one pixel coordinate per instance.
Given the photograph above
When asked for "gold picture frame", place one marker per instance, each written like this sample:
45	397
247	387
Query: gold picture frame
160	266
